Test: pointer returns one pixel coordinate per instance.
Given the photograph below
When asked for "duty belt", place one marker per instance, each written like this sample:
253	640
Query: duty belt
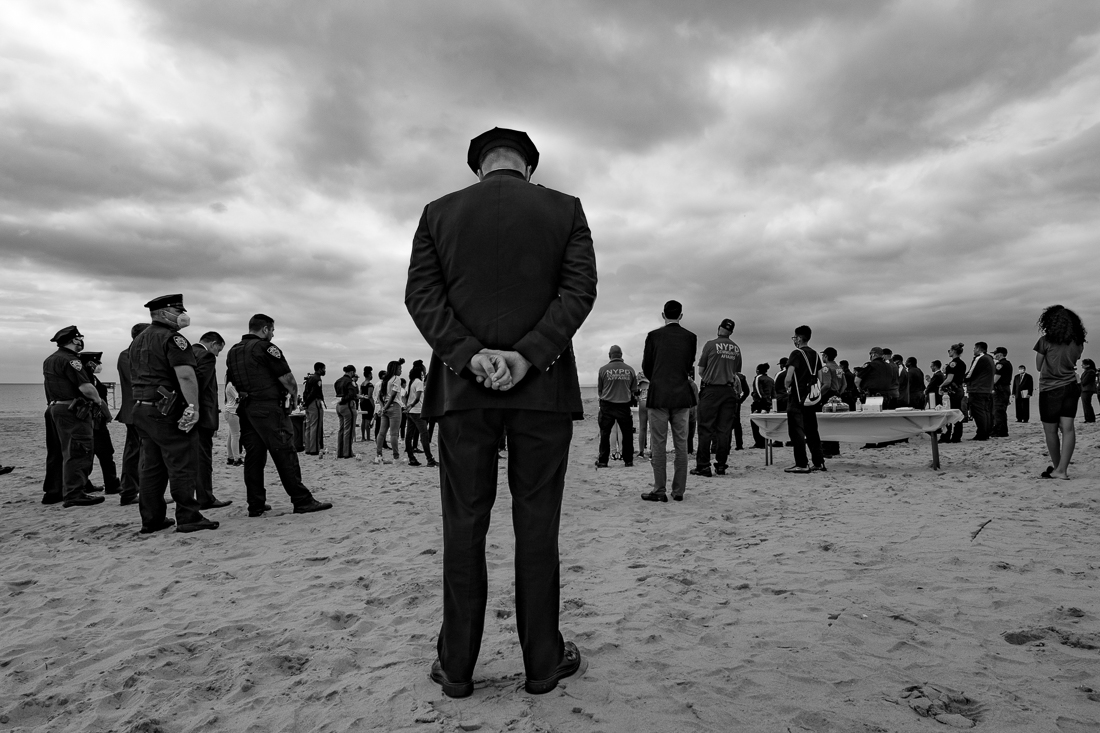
715	384
59	402
144	402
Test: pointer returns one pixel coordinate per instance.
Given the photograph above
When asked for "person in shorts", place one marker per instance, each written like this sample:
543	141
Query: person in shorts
1056	354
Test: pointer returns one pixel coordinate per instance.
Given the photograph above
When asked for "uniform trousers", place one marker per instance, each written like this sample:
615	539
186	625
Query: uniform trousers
204	466
954	432
131	463
660	418
981	409
315	427
1086	405
74	438
346	436
802	429
538	452
738	433
1000	415
266	428
1023	409
167	455
104	450
53	487
718	408
612	414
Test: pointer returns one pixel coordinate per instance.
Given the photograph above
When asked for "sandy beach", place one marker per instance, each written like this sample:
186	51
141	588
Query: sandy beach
853	601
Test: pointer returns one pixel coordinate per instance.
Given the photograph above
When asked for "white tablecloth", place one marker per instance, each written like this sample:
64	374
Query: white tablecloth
862	427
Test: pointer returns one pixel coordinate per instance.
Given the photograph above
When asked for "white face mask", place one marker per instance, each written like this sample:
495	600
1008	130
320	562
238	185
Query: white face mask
98	369
183	321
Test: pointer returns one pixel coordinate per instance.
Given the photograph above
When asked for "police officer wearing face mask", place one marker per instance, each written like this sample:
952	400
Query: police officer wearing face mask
166	410
101	437
71	399
262	377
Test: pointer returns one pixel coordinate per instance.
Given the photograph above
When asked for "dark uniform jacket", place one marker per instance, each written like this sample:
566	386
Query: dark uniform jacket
347	392
154	354
668	361
63	373
934	386
877	377
1023	382
254	366
502	264
763	392
206	373
126	406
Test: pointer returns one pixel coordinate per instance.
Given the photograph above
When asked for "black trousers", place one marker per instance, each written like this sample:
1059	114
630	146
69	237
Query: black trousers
74	439
954	433
104	450
167	455
1086	405
53	486
204	465
738	435
802	429
760	406
538	452
612	414
418	430
266	428
1023	409
131	463
1000	415
981	410
718	408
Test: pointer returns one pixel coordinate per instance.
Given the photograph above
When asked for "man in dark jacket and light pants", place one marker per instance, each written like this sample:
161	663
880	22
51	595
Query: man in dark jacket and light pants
502	275
669	360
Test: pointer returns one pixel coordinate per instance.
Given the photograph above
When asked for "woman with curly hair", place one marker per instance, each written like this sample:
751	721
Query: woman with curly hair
950	390
1057	351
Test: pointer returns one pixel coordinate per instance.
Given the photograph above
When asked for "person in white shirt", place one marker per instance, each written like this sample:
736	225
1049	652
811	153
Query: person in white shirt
229	410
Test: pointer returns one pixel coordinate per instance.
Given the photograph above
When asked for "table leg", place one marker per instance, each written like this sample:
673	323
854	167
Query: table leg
768	453
935	452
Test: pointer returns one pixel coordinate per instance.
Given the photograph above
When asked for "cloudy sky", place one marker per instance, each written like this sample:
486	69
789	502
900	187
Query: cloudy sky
903	174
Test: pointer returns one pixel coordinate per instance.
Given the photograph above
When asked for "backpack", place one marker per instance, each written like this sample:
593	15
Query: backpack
814	384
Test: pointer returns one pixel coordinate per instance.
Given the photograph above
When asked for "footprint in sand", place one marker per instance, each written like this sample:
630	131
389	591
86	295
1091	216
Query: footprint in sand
1040	633
944	705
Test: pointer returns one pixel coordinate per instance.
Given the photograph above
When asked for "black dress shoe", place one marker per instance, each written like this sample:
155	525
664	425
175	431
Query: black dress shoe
259	512
431	464
677	497
197	526
701	472
313	506
654	496
569	664
83	500
127	500
720	471
450	689
112	490
52	499
216	504
819	468
601	464
164	524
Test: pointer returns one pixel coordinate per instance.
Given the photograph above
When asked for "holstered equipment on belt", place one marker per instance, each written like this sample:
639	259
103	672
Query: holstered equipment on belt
166	403
243	398
81	408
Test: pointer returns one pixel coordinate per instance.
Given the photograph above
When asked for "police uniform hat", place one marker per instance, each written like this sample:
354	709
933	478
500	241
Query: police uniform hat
87	356
500	137
726	324
66	335
166	301
1001	350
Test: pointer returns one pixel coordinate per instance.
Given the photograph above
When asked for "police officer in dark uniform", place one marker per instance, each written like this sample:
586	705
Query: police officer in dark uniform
71	398
206	359
1002	391
131	450
101	437
166	411
259	371
719	395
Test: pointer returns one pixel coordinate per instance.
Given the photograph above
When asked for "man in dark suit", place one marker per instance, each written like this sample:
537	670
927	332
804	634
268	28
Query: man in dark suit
206	354
502	275
131	451
669	360
1023	387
